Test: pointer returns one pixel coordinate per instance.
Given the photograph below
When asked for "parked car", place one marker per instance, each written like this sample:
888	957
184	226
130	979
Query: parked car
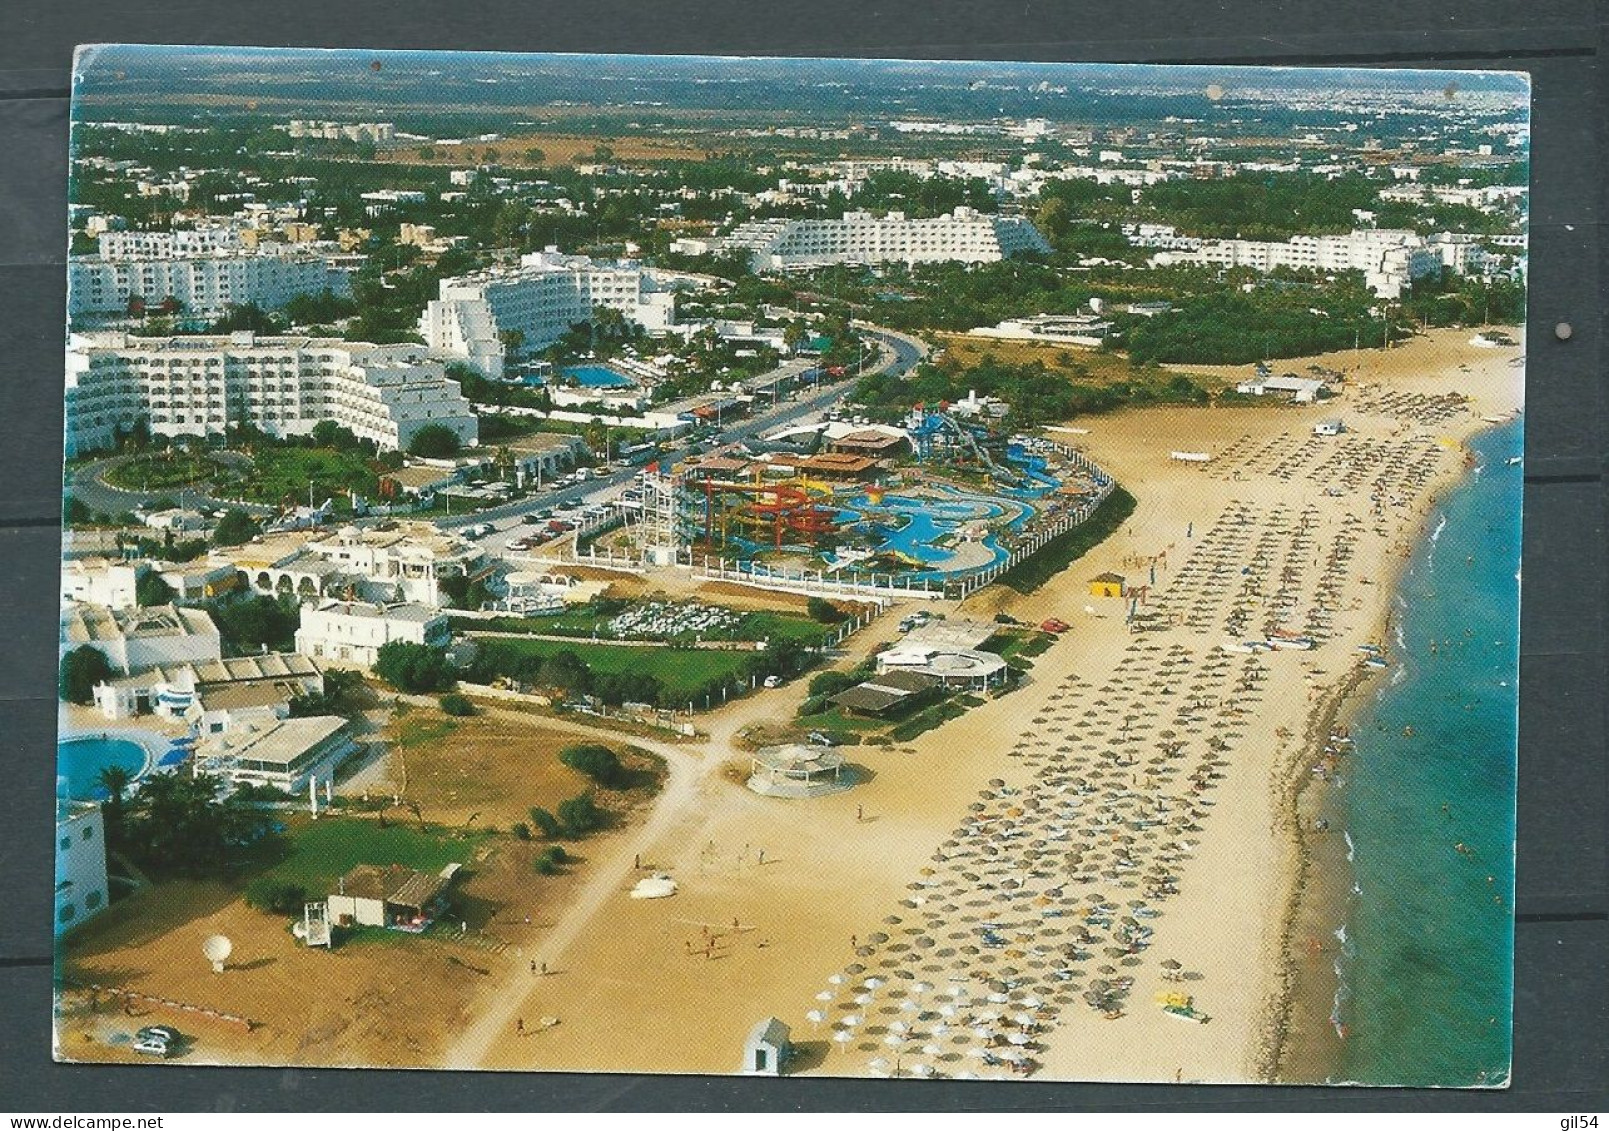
156	1040
773	681
1054	624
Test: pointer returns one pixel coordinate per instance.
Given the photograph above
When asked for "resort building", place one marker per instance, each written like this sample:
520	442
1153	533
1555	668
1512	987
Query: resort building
1301	390
373	895
284	753
80	863
1390	259
1057	329
355	631
165	245
541	456
476	318
199	386
396	561
195	693
102	581
950	652
136	640
206	283
895	691
964	236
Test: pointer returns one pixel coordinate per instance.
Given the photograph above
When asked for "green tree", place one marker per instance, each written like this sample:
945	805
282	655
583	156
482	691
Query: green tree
235	527
580	815
413	668
81	669
114	780
434	441
248	624
177	823
74	511
823	610
596	761
150	589
546	823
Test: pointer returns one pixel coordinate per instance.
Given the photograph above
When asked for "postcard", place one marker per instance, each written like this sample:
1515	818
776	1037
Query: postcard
945	570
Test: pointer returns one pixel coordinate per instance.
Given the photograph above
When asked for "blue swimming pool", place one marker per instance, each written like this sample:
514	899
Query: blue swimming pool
79	762
597	377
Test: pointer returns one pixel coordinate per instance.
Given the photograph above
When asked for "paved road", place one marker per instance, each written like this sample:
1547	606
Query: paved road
88	484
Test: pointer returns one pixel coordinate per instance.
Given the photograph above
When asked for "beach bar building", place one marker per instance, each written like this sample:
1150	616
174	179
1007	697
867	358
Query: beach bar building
766	1048
1106	585
390	896
797	771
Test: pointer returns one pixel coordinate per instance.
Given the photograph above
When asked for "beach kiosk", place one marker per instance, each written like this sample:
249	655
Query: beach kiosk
797	771
766	1049
1106	585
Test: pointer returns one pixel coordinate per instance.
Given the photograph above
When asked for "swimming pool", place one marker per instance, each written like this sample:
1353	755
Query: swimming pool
597	377
79	762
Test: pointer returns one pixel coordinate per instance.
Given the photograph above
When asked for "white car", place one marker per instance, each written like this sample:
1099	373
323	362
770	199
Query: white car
773	681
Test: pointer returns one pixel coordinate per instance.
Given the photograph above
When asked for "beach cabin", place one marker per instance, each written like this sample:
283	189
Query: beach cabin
1106	585
390	896
766	1049
1329	428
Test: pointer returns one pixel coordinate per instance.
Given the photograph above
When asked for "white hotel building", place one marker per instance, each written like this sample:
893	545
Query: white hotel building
197	386
80	862
205	283
540	299
965	236
1389	259
166	245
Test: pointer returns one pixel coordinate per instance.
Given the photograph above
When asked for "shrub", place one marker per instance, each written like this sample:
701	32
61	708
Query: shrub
597	762
276	897
549	860
831	683
580	815
455	704
546	822
521	830
434	440
823	610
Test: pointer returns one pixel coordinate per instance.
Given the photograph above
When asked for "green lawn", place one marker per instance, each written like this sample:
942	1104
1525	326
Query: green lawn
278	473
322	851
160	471
679	670
582	621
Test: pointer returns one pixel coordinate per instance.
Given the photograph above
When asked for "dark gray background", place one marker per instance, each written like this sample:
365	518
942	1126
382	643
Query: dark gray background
1562	929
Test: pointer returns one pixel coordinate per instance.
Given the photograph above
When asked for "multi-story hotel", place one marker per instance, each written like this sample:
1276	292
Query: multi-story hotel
538	300
198	386
1389	259
166	245
206	282
965	236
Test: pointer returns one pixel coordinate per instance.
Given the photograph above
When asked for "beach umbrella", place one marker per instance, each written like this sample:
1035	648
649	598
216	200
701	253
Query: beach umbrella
825	995
836	979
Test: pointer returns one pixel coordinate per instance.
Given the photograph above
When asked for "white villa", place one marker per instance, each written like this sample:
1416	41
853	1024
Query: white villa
354	631
136	640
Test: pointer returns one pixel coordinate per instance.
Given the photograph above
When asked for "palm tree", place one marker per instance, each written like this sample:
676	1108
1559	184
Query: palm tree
114	780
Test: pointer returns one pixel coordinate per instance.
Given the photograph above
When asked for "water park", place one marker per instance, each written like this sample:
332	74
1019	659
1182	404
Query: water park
933	501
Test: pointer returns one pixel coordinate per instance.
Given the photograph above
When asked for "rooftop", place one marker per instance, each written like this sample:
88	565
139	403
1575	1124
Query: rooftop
280	742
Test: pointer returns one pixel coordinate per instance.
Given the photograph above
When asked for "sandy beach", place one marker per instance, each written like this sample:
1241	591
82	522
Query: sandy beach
1011	893
871	905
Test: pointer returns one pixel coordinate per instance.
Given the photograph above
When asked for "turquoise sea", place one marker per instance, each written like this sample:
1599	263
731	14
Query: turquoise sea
1426	960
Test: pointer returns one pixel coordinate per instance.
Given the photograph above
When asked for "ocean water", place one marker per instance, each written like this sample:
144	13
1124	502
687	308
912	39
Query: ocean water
1426	959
